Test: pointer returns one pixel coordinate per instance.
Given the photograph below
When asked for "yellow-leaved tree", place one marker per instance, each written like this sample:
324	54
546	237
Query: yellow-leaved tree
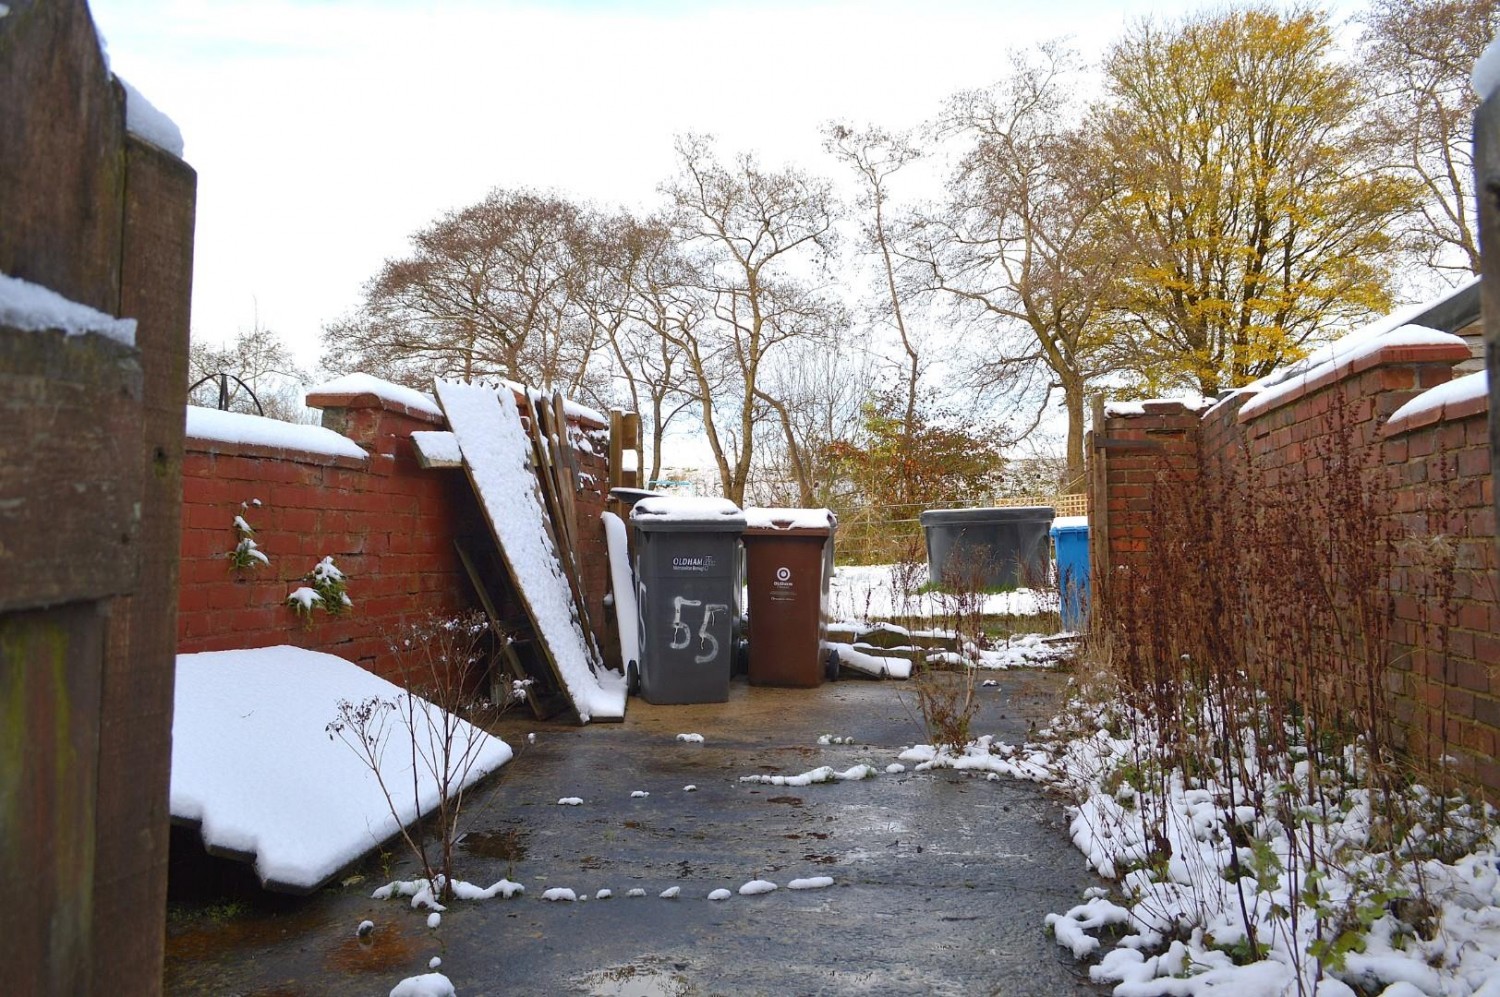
1257	222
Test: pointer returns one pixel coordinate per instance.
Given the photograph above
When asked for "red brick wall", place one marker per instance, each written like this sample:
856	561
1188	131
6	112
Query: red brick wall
389	524
1430	486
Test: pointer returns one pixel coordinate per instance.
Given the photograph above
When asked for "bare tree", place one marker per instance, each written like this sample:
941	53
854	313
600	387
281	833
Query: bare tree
639	292
1024	246
261	360
877	155
487	291
1419	111
755	237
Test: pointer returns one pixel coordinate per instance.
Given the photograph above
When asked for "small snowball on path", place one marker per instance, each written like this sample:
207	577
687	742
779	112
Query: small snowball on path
434	919
364	929
560	893
637	892
604	894
811	883
895	768
691	738
570	801
434	962
670	892
690	788
756	886
720	895
428	985
639	794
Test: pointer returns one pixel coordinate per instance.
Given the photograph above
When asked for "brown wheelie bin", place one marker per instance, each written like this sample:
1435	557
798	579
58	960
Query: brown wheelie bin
788	564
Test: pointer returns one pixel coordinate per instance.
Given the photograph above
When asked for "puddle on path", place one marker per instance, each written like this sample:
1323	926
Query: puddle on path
636	981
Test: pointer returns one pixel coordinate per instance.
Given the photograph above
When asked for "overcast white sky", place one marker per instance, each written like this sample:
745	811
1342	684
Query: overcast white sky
325	131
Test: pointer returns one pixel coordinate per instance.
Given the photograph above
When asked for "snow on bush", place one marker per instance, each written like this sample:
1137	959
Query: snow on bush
1245	876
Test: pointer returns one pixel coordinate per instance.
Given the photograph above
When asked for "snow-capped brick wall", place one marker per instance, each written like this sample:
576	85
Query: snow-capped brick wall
1425	471
389	524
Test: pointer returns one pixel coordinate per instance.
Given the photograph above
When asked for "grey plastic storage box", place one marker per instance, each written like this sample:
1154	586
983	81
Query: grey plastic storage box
987	548
687	572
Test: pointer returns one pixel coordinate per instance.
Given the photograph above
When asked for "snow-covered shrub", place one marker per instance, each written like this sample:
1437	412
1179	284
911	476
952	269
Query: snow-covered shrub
246	553
328	590
441	662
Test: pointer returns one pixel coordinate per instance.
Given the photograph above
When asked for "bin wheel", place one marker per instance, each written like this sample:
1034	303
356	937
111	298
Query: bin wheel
632	678
831	666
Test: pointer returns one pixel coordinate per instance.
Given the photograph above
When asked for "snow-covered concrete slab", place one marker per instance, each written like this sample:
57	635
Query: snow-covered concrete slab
495	451
254	766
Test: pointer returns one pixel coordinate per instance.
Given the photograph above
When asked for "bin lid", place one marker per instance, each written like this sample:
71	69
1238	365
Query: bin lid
1010	514
760	521
1069	524
687	514
632	495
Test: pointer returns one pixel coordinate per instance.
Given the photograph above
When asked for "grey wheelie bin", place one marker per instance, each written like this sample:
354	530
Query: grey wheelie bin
687	571
990	549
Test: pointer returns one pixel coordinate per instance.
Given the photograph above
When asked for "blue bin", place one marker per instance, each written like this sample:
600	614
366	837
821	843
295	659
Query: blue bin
1070	534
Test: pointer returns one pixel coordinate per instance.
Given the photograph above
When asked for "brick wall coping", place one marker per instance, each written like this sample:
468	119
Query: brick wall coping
1462	398
235	434
1407	345
1155	406
366	391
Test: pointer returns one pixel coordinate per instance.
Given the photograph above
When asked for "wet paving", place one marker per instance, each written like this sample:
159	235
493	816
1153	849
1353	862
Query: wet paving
941	879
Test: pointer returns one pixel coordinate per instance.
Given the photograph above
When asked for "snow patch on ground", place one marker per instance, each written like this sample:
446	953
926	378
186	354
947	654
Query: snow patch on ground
867	591
253	763
670	893
690	738
34	308
720	894
982	755
426	985
756	887
1026	651
823	773
811	883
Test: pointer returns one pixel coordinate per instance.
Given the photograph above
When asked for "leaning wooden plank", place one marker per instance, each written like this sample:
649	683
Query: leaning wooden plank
503	636
495	449
545	449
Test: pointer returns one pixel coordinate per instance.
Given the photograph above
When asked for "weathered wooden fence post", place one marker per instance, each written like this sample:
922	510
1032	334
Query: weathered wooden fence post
90	488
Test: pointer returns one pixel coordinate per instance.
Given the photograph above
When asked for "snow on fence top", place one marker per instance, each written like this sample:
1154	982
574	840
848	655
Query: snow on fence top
1486	77
255	430
572	409
1192	401
789	519
1463	389
1341	355
34	308
254	766
368	384
145	121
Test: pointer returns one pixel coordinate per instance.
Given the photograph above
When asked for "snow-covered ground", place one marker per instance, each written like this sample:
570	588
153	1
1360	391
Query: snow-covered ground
871	591
1194	864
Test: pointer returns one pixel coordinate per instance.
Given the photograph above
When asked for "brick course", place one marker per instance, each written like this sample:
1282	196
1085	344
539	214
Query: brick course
389	524
1429	478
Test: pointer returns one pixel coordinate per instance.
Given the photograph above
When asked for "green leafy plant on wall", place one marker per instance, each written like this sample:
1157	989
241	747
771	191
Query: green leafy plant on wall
246	554
326	589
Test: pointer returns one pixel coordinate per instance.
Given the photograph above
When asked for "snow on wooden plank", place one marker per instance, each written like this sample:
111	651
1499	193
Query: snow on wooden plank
495	451
255	768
